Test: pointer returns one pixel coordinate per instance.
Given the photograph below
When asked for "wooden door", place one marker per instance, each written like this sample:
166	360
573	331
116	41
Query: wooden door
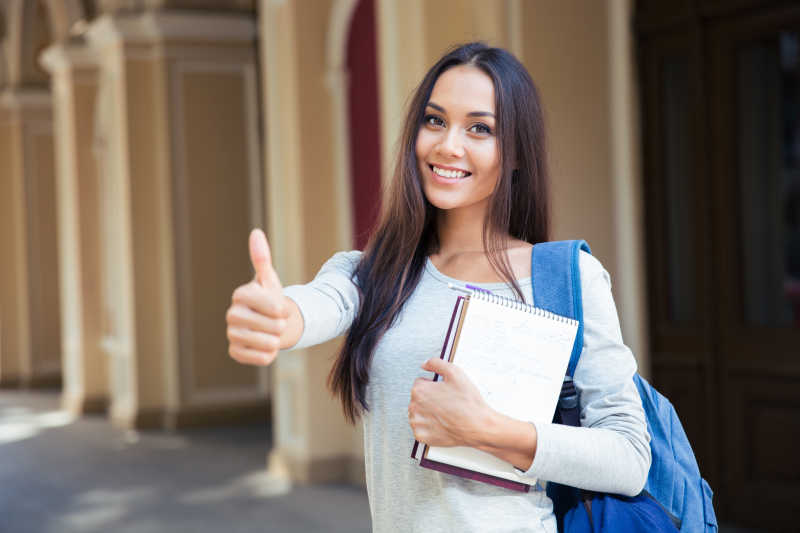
755	112
721	126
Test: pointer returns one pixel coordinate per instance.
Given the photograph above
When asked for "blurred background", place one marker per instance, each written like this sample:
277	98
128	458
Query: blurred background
141	140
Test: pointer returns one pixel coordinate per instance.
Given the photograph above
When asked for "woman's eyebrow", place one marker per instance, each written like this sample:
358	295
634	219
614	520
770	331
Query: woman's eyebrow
440	109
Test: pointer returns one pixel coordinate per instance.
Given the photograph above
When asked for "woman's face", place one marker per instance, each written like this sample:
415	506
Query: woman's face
457	149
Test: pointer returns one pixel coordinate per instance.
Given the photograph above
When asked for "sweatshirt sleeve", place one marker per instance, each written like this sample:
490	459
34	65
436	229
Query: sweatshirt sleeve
610	452
328	303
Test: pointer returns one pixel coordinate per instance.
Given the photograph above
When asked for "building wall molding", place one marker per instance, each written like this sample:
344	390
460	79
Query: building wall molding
337	82
66	57
245	70
154	26
626	179
18	99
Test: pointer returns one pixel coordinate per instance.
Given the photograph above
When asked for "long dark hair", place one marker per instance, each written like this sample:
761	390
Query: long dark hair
395	256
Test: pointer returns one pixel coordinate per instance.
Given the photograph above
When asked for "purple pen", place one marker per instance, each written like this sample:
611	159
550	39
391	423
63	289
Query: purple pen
467	288
479	289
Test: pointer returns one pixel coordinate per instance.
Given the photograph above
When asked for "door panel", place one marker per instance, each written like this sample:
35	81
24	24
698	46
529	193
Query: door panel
755	69
678	233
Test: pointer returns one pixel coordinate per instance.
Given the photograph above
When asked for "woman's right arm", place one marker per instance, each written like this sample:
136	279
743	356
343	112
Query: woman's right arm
265	318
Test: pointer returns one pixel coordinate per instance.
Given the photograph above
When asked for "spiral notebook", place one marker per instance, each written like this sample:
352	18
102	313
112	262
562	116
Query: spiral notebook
516	355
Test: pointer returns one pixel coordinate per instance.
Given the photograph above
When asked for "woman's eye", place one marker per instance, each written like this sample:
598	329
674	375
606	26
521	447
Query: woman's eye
433	120
483	129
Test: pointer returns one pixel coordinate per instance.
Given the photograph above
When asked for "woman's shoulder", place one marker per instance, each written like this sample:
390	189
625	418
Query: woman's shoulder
592	271
344	261
347	256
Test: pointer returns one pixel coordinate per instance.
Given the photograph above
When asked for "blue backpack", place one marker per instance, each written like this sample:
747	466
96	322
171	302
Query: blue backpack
675	495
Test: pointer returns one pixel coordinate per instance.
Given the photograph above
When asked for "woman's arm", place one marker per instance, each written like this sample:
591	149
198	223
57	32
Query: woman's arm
611	452
329	303
294	324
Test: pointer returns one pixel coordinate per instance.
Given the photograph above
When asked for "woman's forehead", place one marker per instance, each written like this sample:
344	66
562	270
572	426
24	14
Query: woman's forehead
464	88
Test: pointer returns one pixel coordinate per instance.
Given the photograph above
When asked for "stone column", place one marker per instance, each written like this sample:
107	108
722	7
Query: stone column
74	85
29	297
306	152
178	143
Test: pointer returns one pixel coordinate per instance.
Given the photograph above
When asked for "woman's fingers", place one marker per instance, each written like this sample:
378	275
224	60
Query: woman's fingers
242	316
253	339
261	258
250	356
266	301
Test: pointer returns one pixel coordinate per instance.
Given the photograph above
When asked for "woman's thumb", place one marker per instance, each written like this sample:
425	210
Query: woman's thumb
262	260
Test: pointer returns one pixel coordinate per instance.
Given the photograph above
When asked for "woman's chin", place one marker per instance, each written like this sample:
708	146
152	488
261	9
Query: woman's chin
444	201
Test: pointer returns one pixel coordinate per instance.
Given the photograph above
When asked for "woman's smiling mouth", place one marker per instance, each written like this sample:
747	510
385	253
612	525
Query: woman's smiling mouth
449	173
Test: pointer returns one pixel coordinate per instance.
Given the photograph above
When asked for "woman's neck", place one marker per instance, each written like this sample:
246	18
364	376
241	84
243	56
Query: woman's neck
460	231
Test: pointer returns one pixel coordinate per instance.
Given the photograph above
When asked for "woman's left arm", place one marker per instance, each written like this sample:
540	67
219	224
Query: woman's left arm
610	453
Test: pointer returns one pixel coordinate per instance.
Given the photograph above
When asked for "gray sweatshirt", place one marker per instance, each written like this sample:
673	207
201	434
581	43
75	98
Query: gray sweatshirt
610	453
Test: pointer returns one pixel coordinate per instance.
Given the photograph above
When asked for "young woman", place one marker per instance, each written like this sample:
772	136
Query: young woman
468	199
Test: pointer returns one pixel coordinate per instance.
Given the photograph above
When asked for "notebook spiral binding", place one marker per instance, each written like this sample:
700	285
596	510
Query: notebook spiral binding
519	305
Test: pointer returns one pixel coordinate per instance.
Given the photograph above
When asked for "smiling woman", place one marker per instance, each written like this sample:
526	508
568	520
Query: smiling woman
468	199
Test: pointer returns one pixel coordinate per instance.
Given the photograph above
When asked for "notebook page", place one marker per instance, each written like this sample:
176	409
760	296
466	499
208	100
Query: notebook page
517	360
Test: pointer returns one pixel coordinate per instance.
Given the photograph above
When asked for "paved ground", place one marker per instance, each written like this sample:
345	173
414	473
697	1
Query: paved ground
59	475
62	475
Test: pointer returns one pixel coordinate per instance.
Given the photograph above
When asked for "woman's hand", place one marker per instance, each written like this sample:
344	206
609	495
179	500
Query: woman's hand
453	413
450	412
259	314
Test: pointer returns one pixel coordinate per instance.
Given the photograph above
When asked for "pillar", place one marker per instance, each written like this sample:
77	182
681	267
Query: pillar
73	72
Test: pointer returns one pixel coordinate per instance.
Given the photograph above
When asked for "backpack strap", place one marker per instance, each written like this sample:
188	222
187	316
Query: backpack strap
556	282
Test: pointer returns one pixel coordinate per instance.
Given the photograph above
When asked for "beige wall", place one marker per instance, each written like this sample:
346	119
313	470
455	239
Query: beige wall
43	274
14	317
30	296
216	167
466	20
574	85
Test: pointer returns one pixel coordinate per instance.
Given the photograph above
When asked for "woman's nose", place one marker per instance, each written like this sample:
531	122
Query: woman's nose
452	144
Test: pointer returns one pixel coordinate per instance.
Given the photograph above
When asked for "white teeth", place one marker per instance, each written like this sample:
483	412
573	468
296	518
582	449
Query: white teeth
449	173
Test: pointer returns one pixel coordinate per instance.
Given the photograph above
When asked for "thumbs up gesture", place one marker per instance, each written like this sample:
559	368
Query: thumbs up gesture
259	316
262	260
